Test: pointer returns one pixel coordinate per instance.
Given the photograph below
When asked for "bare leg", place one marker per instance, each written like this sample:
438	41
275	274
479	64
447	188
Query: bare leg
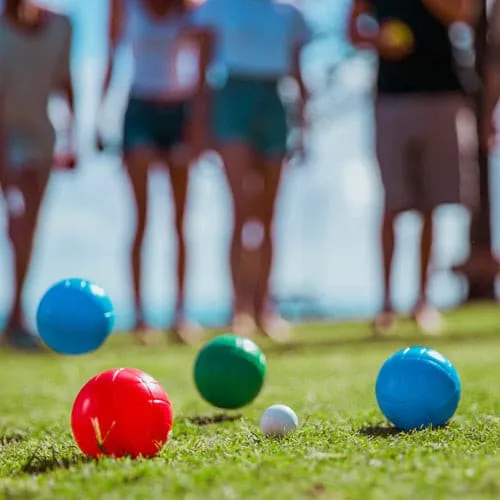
426	241
238	161
386	320
272	171
427	318
24	193
270	322
182	330
388	238
137	166
179	178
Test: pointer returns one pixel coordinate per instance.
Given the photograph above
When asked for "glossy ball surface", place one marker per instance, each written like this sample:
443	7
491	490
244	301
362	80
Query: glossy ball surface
121	412
418	387
278	420
75	316
229	371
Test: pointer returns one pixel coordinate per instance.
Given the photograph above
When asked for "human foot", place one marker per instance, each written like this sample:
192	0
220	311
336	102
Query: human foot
428	319
186	332
243	324
384	323
275	327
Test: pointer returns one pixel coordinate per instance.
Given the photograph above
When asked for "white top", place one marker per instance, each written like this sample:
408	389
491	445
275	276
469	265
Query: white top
255	38
162	69
32	66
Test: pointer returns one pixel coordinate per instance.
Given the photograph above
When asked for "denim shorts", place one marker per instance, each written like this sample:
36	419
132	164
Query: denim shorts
154	124
250	111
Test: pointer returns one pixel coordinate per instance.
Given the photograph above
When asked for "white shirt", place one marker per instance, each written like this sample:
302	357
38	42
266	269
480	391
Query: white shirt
255	38
161	69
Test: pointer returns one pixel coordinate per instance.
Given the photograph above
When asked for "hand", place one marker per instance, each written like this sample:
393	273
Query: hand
67	159
489	135
99	142
297	153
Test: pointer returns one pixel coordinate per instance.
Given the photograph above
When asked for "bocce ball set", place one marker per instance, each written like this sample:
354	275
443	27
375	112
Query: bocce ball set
126	412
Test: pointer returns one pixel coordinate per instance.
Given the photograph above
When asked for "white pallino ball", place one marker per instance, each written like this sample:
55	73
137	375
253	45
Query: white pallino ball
278	420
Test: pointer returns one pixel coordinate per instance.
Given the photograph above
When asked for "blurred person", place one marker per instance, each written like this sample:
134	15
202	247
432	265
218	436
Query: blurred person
252	45
34	63
421	110
156	128
492	75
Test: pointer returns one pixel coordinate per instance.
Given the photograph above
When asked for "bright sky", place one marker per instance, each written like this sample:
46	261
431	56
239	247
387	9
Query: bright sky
89	19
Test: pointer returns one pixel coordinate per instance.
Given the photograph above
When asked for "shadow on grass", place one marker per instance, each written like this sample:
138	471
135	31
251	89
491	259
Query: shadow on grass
380	431
213	419
45	459
10	437
383	431
316	490
372	340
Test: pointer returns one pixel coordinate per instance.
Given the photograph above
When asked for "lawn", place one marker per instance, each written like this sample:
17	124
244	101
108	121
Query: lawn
343	450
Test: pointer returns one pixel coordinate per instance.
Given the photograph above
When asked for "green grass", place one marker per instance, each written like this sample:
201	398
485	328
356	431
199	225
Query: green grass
343	450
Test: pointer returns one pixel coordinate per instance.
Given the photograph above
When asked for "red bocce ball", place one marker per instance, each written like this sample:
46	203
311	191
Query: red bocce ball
121	412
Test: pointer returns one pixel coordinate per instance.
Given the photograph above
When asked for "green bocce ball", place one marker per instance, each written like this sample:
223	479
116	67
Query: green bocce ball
229	371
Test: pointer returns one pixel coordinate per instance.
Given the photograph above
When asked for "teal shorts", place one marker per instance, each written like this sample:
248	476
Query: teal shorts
250	111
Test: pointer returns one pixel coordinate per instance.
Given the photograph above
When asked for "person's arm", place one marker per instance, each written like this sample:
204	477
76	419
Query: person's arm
299	120
365	33
303	35
199	134
67	159
299	77
491	97
453	11
116	28
359	38
3	151
204	39
492	76
64	77
201	32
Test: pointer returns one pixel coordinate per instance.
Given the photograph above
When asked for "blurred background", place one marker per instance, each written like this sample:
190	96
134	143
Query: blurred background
327	263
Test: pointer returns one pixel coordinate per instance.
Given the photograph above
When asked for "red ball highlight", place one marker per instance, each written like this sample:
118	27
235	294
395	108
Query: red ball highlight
121	412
